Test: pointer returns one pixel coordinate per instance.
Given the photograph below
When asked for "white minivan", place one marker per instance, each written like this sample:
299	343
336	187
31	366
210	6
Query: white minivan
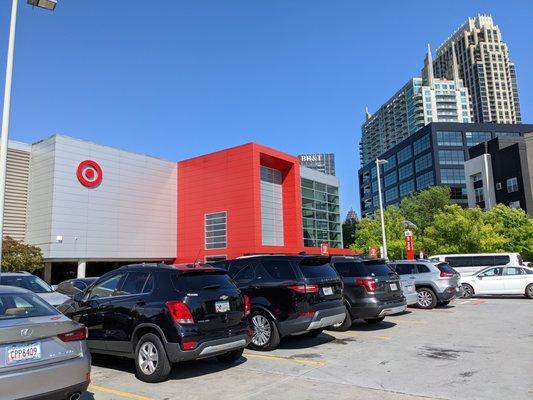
468	264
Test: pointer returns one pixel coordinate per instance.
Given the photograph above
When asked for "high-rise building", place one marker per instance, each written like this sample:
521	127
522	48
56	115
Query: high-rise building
324	162
434	155
484	67
420	101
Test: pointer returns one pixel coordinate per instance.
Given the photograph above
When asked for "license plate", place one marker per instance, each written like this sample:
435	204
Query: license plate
393	286
222	306
23	352
328	290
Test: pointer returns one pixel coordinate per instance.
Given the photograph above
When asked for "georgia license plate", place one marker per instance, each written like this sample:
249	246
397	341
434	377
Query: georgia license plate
393	286
222	306
23	352
328	290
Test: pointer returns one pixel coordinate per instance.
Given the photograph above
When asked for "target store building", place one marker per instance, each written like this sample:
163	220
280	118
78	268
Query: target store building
91	208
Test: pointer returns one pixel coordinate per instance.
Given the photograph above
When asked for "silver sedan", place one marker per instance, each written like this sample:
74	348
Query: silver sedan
43	354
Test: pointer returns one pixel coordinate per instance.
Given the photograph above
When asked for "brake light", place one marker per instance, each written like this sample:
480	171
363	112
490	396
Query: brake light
73	336
304	288
446	274
247	305
370	284
188	344
180	312
307	314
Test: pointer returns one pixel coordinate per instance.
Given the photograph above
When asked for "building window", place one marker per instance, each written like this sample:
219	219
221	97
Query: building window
373	172
499	186
272	207
404	154
421	144
209	259
479	195
514	204
512	185
451	157
423	162
507	134
390	179
407	188
473	138
452	175
405	171
446	138
391	194
391	163
216	230
425	180
321	216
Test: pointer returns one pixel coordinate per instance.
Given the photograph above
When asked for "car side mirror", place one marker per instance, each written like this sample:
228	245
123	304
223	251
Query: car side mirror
480	277
54	288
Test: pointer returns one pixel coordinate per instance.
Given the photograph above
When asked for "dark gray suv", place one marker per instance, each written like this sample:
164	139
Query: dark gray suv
436	282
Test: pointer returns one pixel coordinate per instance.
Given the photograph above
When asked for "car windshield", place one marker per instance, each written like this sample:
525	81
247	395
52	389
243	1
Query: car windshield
30	282
24	305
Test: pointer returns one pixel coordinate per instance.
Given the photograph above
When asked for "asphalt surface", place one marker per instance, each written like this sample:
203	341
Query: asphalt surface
479	348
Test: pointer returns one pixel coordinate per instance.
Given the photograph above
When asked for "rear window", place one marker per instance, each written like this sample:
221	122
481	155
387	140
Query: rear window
443	267
317	268
30	282
15	306
278	270
357	269
378	269
202	281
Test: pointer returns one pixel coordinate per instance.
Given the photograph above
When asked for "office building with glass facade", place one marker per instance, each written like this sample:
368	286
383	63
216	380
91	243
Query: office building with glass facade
434	155
320	209
324	162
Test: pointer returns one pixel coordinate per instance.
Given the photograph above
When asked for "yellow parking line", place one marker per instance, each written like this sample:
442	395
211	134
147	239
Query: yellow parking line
286	359
353	334
120	393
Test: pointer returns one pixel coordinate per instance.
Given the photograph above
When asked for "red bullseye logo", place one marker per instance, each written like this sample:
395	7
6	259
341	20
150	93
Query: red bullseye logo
89	173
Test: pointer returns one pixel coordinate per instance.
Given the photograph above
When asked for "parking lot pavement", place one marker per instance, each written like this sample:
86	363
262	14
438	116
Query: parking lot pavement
479	348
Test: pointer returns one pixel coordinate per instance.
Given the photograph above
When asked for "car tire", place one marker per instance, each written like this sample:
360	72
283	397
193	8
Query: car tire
529	291
151	360
374	320
231	356
468	291
426	298
266	335
313	333
344	326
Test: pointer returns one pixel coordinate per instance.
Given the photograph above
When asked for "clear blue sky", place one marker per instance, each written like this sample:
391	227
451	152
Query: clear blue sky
176	79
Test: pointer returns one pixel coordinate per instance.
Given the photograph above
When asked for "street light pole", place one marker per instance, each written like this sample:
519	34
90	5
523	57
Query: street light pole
383	236
4	138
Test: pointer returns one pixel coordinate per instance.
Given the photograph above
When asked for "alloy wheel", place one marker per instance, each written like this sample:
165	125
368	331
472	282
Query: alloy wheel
263	330
148	358
424	298
468	291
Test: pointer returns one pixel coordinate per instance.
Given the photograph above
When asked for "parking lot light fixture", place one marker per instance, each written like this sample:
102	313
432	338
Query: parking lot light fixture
46	4
4	135
383	236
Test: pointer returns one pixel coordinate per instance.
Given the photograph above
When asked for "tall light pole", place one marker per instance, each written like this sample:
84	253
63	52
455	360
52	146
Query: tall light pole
383	236
4	138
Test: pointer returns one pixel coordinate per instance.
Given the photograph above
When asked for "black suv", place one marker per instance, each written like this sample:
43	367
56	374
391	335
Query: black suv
371	290
159	315
290	295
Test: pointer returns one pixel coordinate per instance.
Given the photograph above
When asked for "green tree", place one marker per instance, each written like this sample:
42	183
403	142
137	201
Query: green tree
462	230
421	207
515	225
17	256
369	233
